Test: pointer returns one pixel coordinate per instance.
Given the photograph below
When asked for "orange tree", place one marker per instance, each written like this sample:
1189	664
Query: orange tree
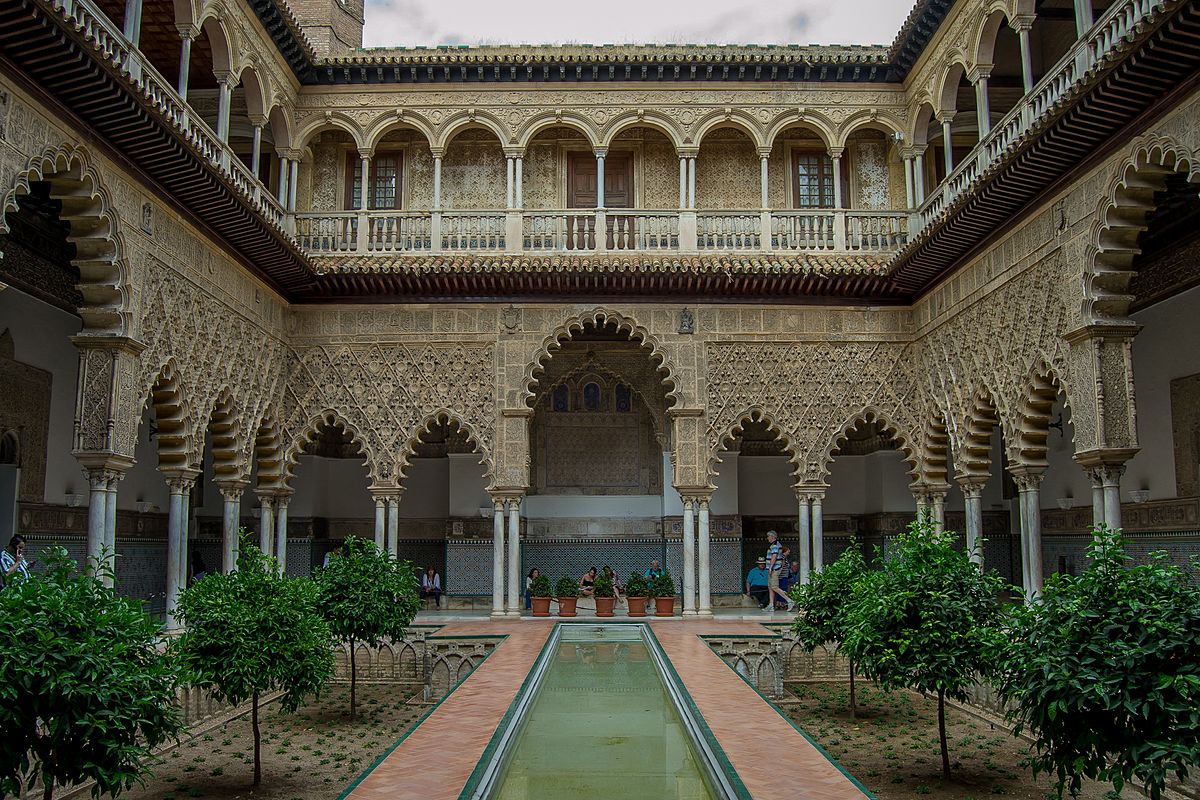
926	621
254	631
86	693
1105	671
367	596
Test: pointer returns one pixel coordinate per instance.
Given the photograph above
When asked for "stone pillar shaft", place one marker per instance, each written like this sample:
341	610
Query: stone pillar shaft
599	181
689	557
256	155
515	600
266	525
293	179
281	532
393	525
185	64
818	533
705	561
498	558
805	543
947	147
380	521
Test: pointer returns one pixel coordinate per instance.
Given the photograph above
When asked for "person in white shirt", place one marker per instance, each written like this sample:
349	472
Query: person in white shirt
13	561
431	586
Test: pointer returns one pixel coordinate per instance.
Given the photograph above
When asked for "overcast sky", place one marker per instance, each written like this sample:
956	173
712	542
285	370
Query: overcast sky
405	23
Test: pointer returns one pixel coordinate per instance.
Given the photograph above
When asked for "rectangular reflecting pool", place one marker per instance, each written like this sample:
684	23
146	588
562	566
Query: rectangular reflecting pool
601	715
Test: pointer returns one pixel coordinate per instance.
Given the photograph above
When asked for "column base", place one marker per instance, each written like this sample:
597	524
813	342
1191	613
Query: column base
704	612
689	612
499	614
512	614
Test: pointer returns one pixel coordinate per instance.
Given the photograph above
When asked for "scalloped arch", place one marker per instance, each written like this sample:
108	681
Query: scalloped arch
174	418
440	416
659	419
753	414
869	120
224	426
1031	427
330	417
869	414
599	317
973	448
88	208
1121	218
268	451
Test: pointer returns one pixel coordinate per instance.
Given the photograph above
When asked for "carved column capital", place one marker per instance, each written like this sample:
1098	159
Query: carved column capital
180	480
232	489
1028	479
972	485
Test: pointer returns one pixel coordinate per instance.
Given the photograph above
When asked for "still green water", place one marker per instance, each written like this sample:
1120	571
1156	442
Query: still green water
602	725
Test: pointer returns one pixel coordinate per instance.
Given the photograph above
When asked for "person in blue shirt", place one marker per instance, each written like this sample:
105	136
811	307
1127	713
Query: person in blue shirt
756	582
654	571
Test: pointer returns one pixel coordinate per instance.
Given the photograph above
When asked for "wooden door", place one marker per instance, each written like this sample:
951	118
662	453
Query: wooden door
581	193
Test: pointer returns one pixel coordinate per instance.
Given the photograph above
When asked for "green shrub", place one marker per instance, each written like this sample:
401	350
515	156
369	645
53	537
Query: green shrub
636	586
566	587
540	587
603	587
663	586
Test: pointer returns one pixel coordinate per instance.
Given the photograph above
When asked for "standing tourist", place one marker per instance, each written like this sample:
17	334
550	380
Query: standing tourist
775	562
12	560
533	573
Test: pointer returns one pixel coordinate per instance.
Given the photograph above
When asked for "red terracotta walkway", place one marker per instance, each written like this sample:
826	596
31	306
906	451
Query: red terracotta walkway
437	758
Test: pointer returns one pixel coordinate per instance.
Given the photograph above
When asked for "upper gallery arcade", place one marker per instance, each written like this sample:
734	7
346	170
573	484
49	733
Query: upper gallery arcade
250	265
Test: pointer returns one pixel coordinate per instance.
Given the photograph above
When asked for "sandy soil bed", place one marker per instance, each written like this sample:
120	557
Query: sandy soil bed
892	747
310	755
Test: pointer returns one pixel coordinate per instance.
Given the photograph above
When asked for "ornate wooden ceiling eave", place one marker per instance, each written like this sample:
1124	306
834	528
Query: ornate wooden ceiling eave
633	279
39	48
1086	126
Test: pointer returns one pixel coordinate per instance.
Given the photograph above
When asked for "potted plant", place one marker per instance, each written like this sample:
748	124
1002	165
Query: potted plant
541	593
663	591
605	596
636	593
567	592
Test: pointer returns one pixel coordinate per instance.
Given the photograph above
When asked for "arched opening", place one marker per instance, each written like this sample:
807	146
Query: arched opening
868	497
957	124
209	56
1000	47
600	459
445	511
755	480
475	175
326	498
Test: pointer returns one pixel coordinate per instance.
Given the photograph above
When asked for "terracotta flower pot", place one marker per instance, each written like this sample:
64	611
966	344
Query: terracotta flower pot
664	606
637	606
566	606
604	606
541	606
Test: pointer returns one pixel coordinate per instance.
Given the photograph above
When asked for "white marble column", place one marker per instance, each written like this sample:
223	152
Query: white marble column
380	521
683	181
293	179
498	557
516	600
692	182
973	499
393	525
705	560
1022	27
519	180
1097	476
948	145
364	200
281	531
805	535
937	502
186	34
1083	17
600	178
919	175
97	513
510	179
283	181
110	526
818	532
909	188
764	187
177	532
256	155
133	21
1112	495
835	157
1028	486
231	494
437	181
224	101
982	104
689	557
266	523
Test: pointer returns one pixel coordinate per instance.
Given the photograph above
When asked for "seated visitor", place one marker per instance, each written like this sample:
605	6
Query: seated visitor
431	586
612	576
654	571
756	583
13	563
533	573
587	583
